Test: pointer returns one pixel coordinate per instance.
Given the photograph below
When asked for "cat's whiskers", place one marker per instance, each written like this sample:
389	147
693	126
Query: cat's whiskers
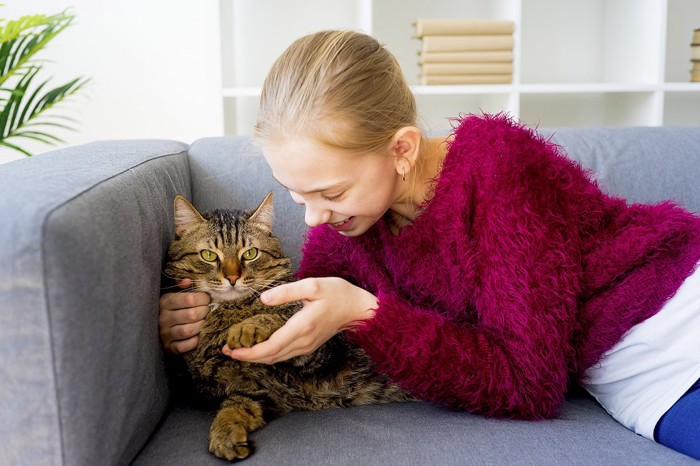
266	283
263	285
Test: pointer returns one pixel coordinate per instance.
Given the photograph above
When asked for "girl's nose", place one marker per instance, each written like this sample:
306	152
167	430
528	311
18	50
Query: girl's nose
315	217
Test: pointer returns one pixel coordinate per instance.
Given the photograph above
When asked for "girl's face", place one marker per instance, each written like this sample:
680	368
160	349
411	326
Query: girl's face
348	192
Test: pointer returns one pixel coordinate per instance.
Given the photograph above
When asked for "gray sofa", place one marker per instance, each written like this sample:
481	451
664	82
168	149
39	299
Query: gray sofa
82	373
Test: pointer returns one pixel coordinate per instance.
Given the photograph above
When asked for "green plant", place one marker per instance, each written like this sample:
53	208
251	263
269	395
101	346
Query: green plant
24	109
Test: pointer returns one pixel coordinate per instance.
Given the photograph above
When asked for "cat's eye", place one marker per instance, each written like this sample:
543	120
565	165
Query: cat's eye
250	254
209	256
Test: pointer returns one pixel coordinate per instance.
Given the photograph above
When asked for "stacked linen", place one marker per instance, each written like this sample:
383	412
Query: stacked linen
465	51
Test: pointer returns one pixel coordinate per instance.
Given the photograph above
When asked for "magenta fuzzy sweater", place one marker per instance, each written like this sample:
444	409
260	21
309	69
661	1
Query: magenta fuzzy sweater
519	274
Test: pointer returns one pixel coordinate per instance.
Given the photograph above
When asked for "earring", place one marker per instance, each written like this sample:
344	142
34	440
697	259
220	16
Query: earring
403	175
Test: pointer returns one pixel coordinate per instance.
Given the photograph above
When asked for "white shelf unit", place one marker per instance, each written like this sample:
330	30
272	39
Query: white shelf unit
576	63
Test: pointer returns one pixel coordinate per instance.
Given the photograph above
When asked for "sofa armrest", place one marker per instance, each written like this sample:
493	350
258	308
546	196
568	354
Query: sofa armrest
83	234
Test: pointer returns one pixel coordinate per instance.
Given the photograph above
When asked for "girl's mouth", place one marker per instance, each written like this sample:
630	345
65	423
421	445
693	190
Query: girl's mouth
343	225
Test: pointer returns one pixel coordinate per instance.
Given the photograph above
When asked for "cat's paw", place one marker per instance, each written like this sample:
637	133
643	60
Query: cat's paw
230	443
247	334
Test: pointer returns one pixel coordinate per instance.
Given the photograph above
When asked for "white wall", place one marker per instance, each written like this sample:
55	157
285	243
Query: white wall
155	67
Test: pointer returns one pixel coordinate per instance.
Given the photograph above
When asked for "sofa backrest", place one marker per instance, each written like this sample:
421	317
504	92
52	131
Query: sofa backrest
640	164
231	173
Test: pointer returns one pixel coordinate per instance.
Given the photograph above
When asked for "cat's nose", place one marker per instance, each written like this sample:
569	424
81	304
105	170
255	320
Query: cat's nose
232	279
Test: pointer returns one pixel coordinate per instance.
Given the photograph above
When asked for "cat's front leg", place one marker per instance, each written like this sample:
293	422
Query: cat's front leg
228	436
253	330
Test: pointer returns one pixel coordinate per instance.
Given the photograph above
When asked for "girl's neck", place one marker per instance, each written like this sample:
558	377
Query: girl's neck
419	184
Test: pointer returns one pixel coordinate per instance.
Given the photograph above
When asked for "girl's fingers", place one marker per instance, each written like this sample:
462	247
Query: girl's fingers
181	317
265	352
171	318
303	290
182	338
186	331
269	351
175	301
184	283
182	346
295	338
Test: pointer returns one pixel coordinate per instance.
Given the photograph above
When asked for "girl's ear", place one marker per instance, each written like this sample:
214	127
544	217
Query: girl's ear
405	147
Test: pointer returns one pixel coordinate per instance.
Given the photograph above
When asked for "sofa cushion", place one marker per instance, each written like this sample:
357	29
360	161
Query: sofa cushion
416	433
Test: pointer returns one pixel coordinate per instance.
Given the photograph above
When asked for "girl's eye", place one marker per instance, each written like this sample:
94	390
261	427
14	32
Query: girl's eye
250	254
332	198
209	256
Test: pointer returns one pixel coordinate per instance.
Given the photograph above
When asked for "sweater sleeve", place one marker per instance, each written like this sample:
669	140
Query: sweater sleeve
513	360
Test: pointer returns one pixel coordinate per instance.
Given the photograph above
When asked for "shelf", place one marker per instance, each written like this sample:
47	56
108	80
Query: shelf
544	88
682	109
393	23
252	37
682	18
591	41
595	109
241	114
682	87
463	89
435	110
585	88
592	63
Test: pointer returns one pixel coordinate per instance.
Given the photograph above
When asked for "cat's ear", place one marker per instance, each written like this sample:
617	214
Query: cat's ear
263	214
185	215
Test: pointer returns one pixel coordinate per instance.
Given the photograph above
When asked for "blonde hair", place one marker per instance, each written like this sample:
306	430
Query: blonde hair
341	88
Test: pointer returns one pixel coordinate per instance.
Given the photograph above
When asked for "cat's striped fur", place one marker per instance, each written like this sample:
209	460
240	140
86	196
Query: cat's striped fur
233	256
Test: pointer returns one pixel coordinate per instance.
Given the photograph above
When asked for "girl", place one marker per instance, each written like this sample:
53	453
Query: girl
483	272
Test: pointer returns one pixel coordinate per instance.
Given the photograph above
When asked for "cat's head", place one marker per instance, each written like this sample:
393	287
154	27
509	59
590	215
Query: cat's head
231	255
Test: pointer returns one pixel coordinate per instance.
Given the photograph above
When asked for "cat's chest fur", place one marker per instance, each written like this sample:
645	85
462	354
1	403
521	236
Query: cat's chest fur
222	315
216	372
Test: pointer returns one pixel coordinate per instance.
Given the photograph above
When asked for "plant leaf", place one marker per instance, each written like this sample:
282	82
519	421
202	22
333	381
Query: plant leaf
25	107
39	136
12	146
23	38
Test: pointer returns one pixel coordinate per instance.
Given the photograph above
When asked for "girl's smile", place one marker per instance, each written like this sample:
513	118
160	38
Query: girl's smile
343	225
348	192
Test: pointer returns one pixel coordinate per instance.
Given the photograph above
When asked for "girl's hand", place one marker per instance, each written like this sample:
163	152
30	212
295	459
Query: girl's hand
181	318
330	305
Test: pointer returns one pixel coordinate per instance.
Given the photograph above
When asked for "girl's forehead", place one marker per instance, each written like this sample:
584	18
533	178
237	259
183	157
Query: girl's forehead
301	146
303	165
308	155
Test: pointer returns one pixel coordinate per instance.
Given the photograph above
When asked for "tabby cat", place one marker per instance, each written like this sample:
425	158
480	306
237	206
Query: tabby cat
234	257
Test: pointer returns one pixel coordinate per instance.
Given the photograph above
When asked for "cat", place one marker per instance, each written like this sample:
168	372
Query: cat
233	256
